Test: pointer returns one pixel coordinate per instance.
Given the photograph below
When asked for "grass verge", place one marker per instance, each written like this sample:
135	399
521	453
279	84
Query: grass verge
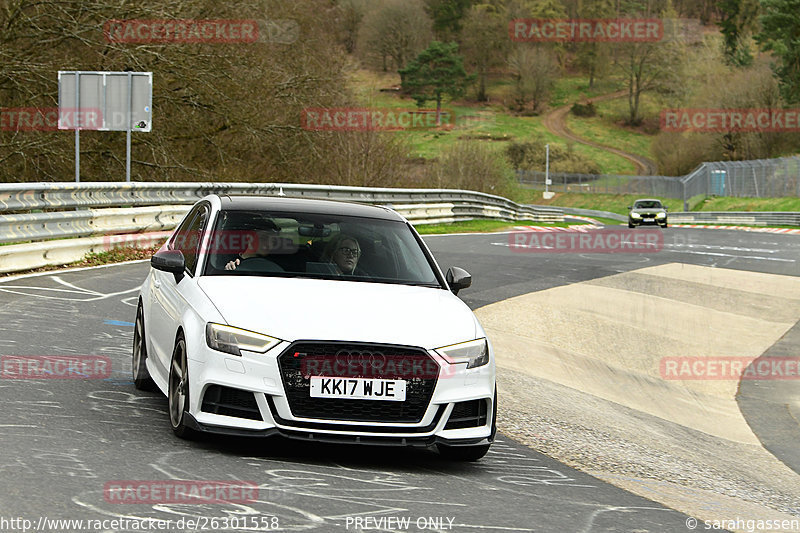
483	226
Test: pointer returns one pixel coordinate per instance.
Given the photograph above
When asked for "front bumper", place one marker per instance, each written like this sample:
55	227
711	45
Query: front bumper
647	221
270	414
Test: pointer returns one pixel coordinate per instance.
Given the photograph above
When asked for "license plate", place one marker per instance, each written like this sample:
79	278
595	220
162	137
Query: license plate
649	220
358	388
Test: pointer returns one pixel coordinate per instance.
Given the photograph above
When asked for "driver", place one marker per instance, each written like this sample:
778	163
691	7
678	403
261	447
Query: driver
265	242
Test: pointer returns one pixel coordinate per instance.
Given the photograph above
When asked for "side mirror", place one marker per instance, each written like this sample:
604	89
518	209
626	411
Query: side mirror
458	279
629	208
666	208
169	261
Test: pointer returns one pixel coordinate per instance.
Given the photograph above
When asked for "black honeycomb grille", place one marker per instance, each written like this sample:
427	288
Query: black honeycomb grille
420	376
230	402
468	415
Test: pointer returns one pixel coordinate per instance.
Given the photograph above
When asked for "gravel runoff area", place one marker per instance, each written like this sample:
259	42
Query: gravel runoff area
682	444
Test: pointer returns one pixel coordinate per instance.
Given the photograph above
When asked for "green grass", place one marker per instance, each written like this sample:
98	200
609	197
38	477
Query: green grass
727	203
607	221
486	123
500	127
606	128
650	106
482	226
571	89
604	131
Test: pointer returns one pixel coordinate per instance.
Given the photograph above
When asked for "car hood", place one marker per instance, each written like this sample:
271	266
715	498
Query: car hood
292	309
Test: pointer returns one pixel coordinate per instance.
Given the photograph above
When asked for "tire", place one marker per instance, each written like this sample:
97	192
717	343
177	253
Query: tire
630	225
463	453
178	391
141	377
664	226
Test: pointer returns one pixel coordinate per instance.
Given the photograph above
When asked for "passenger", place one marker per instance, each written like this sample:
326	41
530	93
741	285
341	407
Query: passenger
343	252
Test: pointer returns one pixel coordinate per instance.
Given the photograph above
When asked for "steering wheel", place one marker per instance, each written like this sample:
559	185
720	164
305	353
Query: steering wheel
258	264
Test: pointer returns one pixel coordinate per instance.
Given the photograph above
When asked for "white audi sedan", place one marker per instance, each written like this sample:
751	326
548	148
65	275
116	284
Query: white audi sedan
311	319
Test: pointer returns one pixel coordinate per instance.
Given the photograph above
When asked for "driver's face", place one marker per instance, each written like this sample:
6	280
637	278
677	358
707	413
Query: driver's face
346	255
265	241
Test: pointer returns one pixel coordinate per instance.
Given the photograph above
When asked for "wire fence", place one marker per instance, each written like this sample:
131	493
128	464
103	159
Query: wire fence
661	186
761	178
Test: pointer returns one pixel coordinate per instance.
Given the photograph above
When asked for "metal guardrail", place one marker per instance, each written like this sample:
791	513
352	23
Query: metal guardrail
775	218
70	220
95	216
86	222
32	196
750	218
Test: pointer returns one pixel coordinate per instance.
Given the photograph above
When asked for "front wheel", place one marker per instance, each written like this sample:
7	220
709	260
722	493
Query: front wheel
664	225
141	377
463	453
630	225
178	392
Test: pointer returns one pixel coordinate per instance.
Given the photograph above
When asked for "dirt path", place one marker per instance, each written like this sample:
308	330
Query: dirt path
556	122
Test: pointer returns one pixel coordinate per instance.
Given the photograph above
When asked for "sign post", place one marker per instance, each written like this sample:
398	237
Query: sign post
547	181
118	101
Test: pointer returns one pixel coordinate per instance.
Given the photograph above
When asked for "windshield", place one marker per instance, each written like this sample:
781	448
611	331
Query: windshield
259	243
647	204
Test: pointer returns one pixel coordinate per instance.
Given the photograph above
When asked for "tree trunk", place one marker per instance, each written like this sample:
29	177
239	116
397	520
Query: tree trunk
630	99
482	86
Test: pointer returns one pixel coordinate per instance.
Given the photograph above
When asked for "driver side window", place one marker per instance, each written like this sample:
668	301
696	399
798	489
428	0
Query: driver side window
187	238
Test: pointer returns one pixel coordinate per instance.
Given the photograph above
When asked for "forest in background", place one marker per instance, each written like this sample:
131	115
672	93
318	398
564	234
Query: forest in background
231	112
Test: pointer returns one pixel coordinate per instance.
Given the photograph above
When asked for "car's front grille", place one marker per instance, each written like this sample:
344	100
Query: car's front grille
306	358
469	414
228	401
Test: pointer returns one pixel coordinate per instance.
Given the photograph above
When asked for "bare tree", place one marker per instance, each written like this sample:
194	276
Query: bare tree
351	13
534	70
395	30
221	111
485	42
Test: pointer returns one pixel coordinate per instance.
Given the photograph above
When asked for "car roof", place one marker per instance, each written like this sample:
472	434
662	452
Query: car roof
277	204
647	200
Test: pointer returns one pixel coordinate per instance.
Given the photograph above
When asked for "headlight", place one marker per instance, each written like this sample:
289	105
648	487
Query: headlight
661	215
231	340
474	353
636	215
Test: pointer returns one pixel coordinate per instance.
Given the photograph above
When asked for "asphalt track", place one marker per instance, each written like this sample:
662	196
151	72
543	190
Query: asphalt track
63	440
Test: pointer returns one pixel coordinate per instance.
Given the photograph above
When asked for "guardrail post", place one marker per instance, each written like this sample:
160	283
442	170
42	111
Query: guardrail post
685	199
